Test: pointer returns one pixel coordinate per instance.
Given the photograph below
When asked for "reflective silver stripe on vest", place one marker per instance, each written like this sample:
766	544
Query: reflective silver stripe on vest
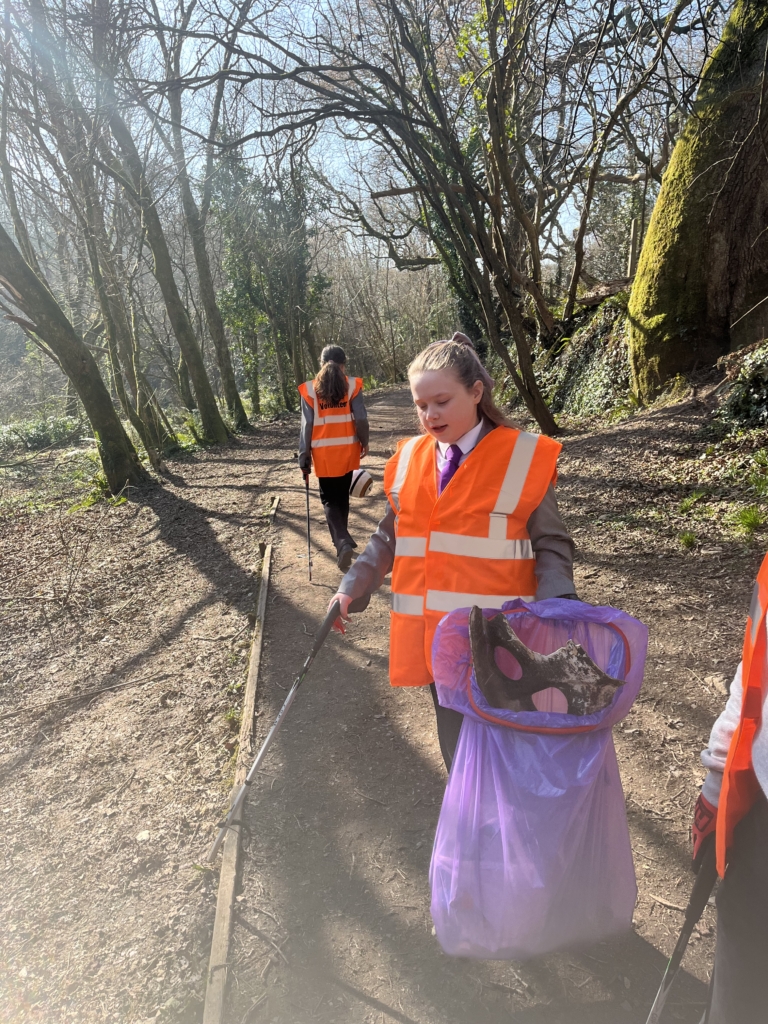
517	472
350	387
480	547
408	604
341	418
448	601
411	547
498	526
329	442
404	460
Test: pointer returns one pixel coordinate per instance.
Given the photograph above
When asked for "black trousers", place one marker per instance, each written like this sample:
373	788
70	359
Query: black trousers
334	494
740	988
448	726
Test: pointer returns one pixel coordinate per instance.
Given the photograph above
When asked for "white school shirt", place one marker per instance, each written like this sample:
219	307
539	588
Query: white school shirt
716	754
466	443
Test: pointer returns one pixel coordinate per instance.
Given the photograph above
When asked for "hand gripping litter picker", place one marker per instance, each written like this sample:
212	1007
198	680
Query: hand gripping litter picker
309	546
702	890
356	606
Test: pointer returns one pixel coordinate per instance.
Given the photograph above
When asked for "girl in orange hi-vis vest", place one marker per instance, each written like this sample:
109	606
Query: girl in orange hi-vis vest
472	518
732	812
333	439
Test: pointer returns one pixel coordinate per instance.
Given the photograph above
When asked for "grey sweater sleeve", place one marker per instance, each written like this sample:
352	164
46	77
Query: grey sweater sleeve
305	435
357	407
553	548
375	563
551	543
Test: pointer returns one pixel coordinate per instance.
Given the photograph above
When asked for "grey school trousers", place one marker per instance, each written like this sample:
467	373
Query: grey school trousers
448	727
740	984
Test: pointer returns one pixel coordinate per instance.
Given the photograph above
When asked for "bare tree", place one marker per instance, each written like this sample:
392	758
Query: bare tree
171	45
498	119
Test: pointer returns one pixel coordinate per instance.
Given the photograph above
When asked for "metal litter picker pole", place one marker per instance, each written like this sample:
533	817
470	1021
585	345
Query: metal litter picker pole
320	638
309	546
702	890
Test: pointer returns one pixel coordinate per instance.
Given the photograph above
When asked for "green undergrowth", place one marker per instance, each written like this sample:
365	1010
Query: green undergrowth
706	488
47	463
688	539
588	374
713	490
39	481
37	435
746	404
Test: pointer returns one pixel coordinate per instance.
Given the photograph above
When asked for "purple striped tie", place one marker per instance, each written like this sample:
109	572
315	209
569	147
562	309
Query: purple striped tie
454	454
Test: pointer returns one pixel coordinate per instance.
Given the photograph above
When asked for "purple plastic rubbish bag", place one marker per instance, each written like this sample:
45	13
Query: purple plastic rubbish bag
532	851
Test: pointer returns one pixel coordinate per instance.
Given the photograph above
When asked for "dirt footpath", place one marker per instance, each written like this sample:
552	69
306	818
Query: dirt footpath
122	660
136	621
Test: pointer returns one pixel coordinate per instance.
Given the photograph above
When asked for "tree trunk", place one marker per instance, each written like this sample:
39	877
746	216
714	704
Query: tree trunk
69	124
71	408
130	173
138	409
287	394
471	238
311	342
214	427
249	343
704	262
141	428
196	228
185	389
26	290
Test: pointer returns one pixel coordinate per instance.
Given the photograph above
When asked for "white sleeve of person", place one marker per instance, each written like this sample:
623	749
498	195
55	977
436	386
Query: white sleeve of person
716	754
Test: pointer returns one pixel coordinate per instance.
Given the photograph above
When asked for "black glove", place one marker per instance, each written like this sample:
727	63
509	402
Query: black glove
305	463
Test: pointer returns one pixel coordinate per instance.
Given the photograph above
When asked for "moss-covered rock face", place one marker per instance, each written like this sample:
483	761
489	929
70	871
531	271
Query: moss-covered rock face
705	253
590	374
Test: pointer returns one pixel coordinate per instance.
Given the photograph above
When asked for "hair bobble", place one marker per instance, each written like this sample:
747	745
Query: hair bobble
462	339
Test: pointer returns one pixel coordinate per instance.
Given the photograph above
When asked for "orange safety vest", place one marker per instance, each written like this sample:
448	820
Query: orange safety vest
740	786
335	447
470	545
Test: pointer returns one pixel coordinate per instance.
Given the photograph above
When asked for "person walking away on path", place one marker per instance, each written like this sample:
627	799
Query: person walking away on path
333	439
732	812
472	518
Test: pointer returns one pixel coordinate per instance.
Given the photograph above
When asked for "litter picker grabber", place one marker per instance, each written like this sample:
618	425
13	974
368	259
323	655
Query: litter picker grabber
309	545
702	890
320	637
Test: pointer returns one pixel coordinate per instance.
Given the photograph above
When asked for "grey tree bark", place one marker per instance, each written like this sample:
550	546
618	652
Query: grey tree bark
196	228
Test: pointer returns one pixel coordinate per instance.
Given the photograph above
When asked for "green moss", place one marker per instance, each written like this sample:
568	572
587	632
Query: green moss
673	325
668	303
589	375
738	46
